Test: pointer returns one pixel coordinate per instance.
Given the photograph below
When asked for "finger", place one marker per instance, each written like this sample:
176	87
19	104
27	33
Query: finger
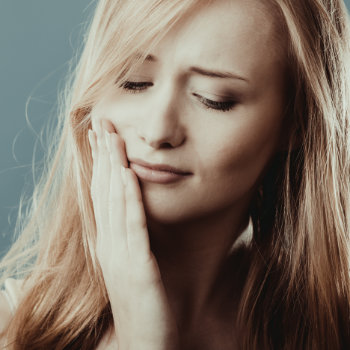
117	141
107	125
136	224
96	126
117	203
118	145
93	144
103	180
94	153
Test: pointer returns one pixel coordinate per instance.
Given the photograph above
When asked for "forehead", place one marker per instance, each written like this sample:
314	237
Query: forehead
239	34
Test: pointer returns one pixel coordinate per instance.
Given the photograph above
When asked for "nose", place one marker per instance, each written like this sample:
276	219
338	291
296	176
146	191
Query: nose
161	123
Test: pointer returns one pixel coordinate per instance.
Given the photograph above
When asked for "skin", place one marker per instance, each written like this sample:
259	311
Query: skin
183	232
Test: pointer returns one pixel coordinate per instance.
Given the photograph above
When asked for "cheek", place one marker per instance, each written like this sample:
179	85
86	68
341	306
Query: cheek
118	113
239	157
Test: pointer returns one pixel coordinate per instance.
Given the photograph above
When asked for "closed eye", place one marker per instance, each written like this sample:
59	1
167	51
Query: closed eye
223	106
135	86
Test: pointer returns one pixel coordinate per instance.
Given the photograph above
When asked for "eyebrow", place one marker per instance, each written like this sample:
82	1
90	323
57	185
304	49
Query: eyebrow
206	72
216	74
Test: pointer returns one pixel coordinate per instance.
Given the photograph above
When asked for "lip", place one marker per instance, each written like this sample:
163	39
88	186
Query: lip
157	173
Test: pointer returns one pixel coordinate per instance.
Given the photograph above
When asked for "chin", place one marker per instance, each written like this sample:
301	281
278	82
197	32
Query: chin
164	206
166	213
172	212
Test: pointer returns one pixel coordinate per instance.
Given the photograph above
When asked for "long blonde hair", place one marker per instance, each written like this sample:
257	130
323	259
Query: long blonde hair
297	289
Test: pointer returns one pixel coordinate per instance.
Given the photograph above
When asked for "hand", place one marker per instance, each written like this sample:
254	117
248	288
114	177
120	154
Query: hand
141	312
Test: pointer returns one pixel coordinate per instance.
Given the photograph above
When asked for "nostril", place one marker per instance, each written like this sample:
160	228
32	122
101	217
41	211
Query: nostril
166	145
162	139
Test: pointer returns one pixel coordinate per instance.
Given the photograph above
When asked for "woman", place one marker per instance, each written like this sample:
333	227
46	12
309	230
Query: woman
204	115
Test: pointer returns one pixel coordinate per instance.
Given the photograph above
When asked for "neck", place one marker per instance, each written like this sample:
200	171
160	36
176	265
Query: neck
193	258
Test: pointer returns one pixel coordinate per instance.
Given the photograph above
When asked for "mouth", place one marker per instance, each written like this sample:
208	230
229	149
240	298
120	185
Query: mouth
157	173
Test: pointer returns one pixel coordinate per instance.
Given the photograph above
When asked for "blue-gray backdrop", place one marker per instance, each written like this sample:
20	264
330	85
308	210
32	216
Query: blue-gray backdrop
37	40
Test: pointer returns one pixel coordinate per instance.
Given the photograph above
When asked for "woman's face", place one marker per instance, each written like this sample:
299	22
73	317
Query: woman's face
209	100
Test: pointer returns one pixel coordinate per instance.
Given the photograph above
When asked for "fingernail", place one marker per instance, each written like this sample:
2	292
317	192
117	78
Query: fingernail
123	173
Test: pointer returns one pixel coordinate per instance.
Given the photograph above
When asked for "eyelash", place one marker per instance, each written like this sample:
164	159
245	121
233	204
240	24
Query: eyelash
135	87
224	106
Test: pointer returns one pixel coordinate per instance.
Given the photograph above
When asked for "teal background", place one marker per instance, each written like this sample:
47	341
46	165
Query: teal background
37	40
